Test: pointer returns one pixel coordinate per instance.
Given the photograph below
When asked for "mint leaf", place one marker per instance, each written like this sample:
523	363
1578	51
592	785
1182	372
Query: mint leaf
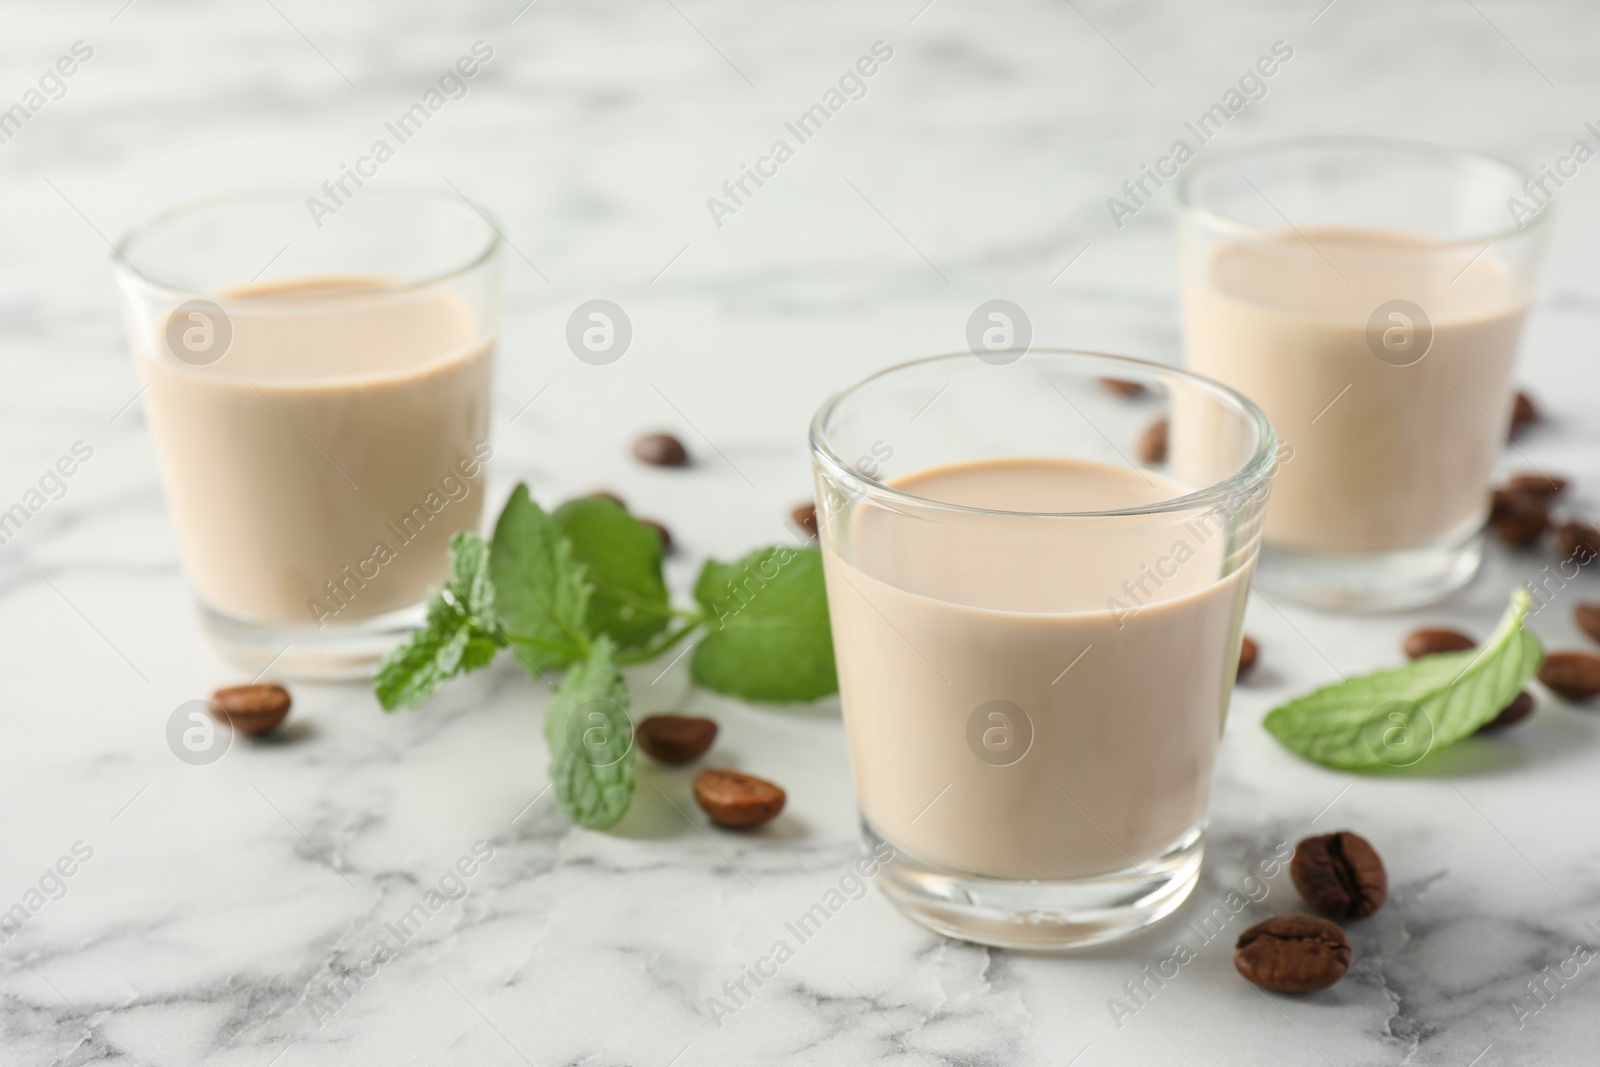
591	740
540	590
622	560
768	616
1396	717
457	638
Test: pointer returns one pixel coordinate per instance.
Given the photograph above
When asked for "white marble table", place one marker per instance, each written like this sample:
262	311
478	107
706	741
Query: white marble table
218	902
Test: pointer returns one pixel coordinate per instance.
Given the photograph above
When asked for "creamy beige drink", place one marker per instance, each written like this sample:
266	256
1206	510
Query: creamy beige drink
1026	697
1384	454
316	471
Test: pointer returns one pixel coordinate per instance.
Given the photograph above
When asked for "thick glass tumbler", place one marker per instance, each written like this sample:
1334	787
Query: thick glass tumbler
1036	583
1370	296
318	391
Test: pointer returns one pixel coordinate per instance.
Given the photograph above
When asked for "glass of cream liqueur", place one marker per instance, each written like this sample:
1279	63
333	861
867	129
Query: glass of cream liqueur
318	393
1036	632
1369	295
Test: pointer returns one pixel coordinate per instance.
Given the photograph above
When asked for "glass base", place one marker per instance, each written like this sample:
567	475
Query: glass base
348	652
1387	581
1042	916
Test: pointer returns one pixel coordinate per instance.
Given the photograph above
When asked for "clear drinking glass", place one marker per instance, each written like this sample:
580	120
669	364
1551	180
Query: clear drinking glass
1369	295
317	385
1037	633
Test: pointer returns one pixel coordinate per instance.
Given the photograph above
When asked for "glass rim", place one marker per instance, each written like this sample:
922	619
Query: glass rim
1395	146
1246	479
124	266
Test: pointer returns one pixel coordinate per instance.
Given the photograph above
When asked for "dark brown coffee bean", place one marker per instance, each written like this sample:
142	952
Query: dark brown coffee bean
1579	541
675	739
1502	502
1523	414
737	801
1432	641
606	494
1293	954
1544	486
1153	445
1513	712
660	450
1248	651
805	516
1124	388
1340	874
251	709
661	532
1588	619
1525	522
1574	675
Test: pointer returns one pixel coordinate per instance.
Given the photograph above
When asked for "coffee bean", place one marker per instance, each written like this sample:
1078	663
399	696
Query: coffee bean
1523	414
1579	541
1153	445
1124	388
1340	874
737	801
675	739
1248	651
1575	675
1588	617
606	494
1432	641
1513	712
661	450
251	709
805	515
1293	954
1544	486
1525	522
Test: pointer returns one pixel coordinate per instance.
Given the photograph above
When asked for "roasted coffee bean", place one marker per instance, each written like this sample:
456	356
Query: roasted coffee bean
1544	486
1293	954
251	709
1431	641
1523	414
1340	874
1588	618
1122	387
1575	675
660	450
1153	445
1524	523
1579	541
1501	503
675	739
606	494
805	515
737	801
661	532
1513	712
1248	651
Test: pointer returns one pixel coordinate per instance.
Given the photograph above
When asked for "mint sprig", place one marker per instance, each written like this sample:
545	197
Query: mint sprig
1397	717
459	636
582	590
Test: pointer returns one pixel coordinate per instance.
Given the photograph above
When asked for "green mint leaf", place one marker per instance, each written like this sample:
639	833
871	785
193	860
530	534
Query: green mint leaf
469	585
540	591
1396	717
591	740
457	637
622	560
450	644
768	637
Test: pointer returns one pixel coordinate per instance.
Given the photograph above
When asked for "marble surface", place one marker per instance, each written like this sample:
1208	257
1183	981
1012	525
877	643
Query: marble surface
218	903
